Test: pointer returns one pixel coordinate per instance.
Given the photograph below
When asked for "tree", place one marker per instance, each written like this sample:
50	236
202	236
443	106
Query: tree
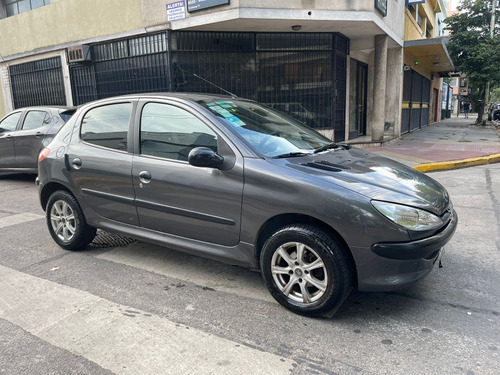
495	94
471	47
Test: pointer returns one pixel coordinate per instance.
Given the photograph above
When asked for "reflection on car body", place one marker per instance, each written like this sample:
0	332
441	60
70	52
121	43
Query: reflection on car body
24	132
236	181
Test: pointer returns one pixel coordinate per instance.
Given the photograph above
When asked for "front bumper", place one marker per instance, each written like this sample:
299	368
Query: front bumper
392	266
425	248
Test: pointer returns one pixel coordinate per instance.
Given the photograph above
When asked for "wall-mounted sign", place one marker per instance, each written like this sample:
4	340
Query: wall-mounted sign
176	11
194	5
381	6
411	2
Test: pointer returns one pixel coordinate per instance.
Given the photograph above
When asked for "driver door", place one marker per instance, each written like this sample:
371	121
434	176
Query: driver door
174	197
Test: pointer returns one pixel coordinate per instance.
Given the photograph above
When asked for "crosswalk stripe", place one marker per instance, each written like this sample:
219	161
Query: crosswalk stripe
197	270
7	221
120	338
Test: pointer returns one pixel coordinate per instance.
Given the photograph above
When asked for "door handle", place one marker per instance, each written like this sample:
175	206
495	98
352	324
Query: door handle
145	177
38	134
76	163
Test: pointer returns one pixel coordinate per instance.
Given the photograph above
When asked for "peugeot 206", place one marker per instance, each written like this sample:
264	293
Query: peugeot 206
236	181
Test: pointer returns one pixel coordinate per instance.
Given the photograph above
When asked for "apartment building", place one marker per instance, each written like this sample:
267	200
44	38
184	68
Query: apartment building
335	65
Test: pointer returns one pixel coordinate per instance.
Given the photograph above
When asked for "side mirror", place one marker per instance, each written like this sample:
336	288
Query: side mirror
205	157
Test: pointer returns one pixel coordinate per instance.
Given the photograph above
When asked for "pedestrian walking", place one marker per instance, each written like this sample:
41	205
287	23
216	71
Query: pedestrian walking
466	109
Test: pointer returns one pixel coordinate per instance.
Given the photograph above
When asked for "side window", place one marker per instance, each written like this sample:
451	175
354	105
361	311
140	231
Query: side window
171	132
107	126
9	123
35	119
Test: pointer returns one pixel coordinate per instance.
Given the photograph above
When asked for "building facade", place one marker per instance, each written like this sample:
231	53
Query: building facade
459	82
426	61
335	65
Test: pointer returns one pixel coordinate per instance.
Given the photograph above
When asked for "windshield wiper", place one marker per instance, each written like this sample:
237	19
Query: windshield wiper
330	146
291	155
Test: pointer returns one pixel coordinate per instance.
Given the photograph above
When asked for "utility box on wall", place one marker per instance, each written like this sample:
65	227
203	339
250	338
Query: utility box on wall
78	53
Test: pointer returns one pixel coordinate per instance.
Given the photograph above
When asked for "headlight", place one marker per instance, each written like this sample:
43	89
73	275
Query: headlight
408	217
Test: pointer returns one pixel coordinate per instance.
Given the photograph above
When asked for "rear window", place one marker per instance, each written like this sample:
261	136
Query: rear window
107	126
35	120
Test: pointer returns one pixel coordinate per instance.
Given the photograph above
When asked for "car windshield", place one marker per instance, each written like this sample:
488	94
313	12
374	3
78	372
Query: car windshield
269	132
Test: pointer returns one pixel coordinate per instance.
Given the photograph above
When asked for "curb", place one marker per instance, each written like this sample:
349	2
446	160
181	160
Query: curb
456	164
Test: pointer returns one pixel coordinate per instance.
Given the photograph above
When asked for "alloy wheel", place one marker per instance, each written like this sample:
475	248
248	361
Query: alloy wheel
299	272
63	220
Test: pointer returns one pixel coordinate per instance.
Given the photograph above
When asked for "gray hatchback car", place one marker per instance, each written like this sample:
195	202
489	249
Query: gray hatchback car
24	132
234	180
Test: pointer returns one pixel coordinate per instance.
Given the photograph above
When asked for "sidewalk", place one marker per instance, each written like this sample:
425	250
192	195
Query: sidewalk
449	144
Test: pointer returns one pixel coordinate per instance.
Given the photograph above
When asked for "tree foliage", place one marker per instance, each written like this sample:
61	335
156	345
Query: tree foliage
471	47
495	94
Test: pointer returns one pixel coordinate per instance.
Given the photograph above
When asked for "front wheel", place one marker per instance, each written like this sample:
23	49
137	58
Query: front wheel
306	270
66	222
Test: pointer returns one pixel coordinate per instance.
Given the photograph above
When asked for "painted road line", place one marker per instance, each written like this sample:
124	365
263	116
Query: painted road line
10	220
189	268
120	338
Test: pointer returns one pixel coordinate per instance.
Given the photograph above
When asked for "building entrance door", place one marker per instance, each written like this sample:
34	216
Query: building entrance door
358	99
435	101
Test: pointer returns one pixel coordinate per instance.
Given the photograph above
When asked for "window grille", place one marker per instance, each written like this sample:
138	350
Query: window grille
38	83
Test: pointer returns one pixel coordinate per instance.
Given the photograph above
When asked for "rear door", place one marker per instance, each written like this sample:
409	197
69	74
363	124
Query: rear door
100	161
28	140
8	126
175	197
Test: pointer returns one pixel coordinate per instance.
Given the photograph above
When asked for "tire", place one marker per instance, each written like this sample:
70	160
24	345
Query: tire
318	282
66	222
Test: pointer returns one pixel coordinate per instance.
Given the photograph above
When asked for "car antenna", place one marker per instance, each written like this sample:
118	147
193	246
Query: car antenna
211	83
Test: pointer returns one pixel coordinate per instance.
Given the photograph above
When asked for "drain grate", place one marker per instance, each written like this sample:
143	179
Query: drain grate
105	239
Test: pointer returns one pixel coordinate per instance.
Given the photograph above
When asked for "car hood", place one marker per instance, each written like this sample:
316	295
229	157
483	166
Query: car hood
373	176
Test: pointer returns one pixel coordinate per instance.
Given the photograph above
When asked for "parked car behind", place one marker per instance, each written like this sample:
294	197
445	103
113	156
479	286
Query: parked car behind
237	181
494	111
24	132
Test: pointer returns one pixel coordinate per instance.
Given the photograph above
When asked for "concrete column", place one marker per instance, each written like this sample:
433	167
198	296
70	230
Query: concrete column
5	92
67	80
379	87
394	91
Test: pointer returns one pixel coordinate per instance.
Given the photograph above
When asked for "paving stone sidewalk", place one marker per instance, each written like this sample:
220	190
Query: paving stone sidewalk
448	144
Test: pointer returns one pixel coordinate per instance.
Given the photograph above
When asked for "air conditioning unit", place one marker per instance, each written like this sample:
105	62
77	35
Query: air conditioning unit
78	53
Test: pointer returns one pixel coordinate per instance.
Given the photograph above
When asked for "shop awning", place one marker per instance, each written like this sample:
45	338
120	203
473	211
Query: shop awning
431	54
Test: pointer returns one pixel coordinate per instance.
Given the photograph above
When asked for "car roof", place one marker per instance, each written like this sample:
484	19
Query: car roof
46	107
190	96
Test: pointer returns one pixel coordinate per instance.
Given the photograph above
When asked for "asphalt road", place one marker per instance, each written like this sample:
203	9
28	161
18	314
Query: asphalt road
136	308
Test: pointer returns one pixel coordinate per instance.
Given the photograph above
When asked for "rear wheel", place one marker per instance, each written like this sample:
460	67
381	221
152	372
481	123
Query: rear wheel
306	270
66	222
